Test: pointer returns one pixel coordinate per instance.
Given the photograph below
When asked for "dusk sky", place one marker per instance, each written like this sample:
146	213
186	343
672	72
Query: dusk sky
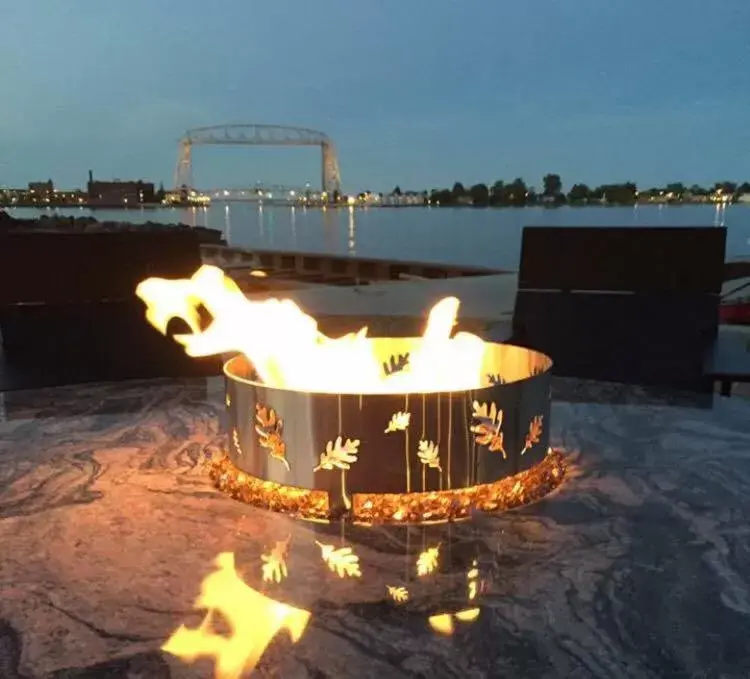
413	92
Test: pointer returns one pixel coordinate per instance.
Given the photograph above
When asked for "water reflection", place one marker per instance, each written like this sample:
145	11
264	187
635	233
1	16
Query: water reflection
293	219
423	234
227	223
270	221
720	214
330	230
351	242
193	216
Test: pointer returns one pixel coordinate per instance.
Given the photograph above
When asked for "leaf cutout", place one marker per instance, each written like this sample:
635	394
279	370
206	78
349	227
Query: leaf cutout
429	454
339	454
236	440
344	562
269	428
534	433
483	411
399	422
488	430
396	364
266	417
427	562
398	594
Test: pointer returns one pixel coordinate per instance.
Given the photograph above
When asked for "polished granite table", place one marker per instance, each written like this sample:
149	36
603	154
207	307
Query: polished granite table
637	566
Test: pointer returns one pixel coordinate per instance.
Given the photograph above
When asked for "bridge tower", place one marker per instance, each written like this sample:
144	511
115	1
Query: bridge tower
330	180
183	174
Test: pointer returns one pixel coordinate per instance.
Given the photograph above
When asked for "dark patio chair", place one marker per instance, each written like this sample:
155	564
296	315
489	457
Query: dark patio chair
629	305
68	310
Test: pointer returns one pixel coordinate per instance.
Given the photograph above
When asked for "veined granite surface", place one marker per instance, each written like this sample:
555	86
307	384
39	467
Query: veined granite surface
639	566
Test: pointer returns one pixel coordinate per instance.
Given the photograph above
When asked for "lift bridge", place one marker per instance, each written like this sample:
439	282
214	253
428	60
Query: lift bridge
258	135
269	194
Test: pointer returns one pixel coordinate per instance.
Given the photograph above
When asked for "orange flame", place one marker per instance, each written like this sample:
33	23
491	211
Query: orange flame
288	351
253	618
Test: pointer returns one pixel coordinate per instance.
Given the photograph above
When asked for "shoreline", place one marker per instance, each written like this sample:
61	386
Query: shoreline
322	206
51	223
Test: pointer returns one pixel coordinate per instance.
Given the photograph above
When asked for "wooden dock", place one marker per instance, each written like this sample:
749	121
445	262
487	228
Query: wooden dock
325	269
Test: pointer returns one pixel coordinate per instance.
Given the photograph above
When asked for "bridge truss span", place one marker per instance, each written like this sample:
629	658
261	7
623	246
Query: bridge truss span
271	194
258	135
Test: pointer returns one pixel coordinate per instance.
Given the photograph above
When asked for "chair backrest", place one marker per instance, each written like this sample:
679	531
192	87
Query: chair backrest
72	267
69	313
633	305
651	260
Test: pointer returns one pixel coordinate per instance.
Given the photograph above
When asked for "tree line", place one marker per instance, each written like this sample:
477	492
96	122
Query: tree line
518	193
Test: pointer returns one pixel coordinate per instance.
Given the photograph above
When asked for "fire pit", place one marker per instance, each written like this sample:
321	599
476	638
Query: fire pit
374	430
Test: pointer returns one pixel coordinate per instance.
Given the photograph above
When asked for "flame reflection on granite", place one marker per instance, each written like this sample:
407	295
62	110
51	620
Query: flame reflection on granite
265	589
253	619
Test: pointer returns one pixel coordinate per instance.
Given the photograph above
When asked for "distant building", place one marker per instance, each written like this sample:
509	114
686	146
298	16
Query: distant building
405	198
69	197
42	189
119	193
690	197
744	198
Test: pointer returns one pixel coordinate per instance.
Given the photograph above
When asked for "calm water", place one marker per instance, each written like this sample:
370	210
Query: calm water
490	237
